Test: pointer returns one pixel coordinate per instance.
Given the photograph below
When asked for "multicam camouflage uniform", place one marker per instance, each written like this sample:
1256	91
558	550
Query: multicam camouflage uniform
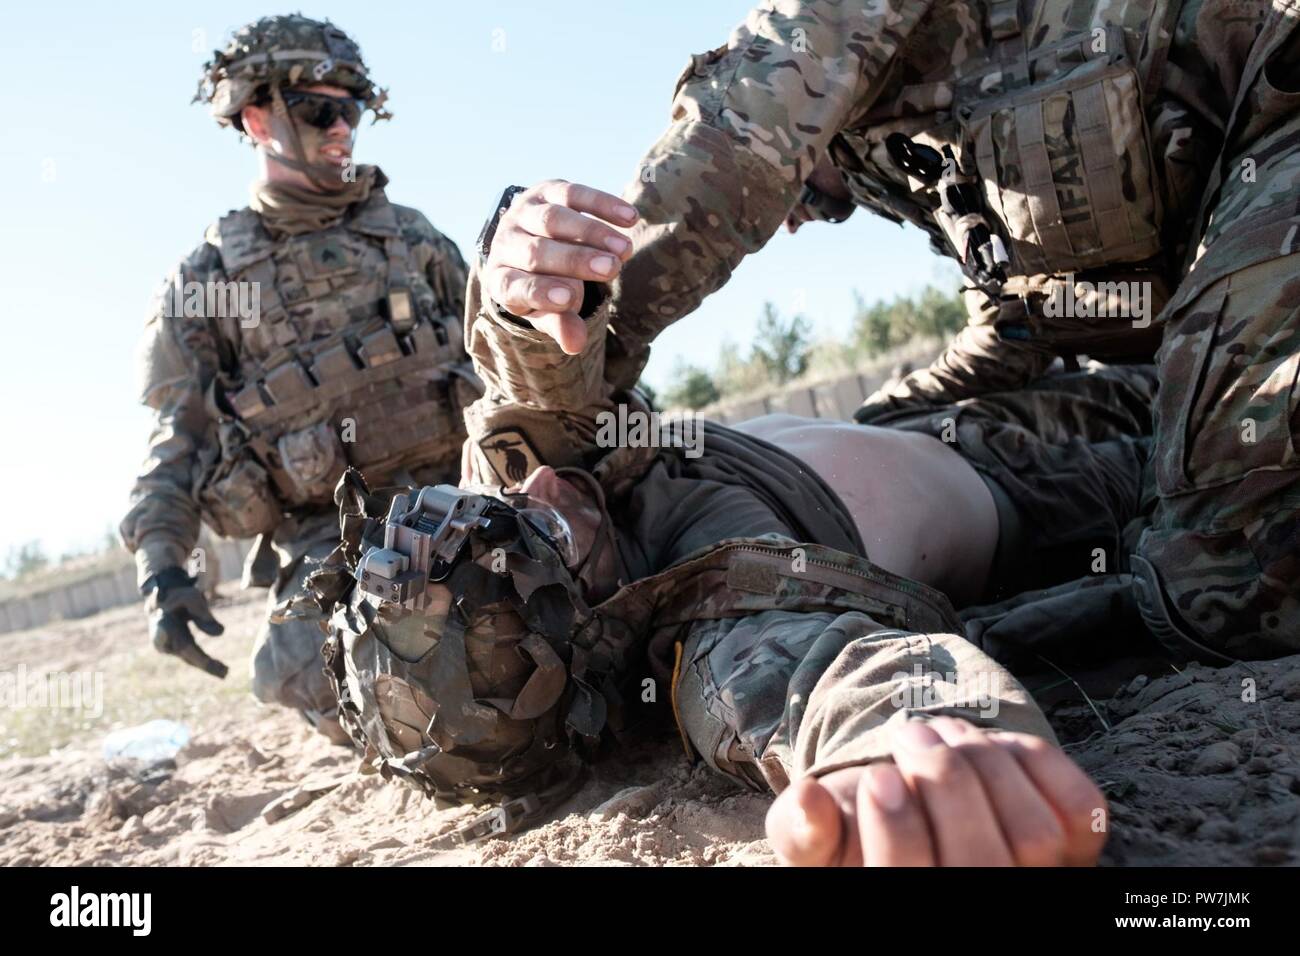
1219	566
1110	141
740	585
356	357
1085	130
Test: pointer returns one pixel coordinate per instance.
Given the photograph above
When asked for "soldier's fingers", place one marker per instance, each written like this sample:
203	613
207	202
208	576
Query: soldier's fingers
586	199
804	825
1029	824
1078	803
196	608
842	785
567	329
209	625
965	829
523	294
193	655
891	825
560	222
518	249
172	636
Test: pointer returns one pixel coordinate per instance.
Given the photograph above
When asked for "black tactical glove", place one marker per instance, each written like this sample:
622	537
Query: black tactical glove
173	604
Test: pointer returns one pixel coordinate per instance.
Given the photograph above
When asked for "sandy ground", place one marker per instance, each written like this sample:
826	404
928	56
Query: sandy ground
1202	767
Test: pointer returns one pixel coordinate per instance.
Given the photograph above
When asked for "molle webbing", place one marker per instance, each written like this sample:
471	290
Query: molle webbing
292	393
247	255
389	375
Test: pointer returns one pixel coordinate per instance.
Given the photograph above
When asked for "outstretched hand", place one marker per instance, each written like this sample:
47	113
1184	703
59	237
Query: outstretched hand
171	613
955	795
555	236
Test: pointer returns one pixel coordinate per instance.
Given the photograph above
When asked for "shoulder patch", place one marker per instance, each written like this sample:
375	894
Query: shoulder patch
511	455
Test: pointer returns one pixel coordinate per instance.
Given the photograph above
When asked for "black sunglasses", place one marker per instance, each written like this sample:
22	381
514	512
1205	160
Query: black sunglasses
323	111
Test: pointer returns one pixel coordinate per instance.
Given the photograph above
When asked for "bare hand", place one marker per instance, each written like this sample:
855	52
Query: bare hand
545	247
955	795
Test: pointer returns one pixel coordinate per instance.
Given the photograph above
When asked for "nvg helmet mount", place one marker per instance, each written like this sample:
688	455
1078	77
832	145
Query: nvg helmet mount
456	647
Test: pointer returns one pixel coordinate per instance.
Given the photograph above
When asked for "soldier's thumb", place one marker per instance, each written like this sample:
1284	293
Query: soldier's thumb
209	624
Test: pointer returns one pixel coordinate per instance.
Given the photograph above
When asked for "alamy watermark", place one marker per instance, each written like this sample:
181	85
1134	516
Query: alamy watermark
132	911
920	689
62	690
633	428
1100	300
214	300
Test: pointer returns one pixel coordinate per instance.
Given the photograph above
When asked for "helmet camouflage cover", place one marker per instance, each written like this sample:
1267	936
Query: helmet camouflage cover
284	51
451	646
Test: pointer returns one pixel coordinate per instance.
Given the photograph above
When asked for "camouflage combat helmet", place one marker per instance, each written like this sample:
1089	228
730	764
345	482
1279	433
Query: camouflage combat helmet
451	626
283	52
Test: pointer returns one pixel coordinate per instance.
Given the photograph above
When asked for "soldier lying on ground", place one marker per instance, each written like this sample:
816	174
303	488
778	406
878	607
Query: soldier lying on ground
317	328
786	586
735	584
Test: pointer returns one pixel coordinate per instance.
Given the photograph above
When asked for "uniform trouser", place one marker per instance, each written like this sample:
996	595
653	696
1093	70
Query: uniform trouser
783	693
287	667
1219	566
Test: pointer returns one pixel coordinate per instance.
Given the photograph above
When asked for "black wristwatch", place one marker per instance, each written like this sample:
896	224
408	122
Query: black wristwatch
484	243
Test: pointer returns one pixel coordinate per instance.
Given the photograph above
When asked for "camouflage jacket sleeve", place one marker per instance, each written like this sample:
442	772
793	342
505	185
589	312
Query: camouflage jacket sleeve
749	121
539	406
783	672
177	361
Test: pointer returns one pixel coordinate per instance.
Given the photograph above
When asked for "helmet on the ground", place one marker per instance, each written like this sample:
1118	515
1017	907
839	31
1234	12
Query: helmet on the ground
451	644
284	52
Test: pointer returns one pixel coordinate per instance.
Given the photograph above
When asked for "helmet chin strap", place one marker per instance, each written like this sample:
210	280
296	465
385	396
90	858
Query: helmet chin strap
318	173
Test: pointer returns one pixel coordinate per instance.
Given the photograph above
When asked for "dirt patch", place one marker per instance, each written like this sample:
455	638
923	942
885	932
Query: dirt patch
1202	767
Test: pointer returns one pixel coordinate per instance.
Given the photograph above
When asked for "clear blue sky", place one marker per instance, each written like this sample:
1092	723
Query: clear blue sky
111	176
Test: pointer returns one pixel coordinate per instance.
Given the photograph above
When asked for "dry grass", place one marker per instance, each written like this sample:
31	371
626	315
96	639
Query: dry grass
112	652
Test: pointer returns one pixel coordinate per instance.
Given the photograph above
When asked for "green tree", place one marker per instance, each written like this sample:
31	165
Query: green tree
873	330
648	390
881	326
781	347
691	387
25	559
110	541
735	375
939	314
